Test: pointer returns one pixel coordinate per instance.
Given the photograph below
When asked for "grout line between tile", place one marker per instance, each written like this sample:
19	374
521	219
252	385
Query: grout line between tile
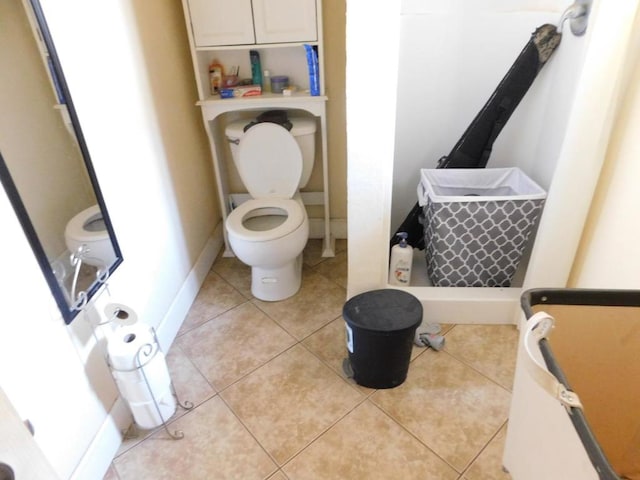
461	360
181	333
252	436
471	462
257	368
317	437
213	387
413	435
339	372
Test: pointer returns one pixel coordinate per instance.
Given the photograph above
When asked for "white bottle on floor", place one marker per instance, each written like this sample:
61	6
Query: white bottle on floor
401	260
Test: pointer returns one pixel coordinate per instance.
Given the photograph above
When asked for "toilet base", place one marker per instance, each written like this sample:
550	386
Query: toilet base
274	284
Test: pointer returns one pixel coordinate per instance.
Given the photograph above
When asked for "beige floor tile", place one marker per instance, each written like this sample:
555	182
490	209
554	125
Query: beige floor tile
367	444
449	406
318	302
216	296
235	272
111	474
490	349
312	253
488	465
278	476
335	269
233	344
330	344
215	445
341	245
290	401
190	386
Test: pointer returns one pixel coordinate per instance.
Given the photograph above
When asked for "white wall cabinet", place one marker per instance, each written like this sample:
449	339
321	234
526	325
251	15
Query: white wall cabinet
225	31
285	21
221	22
246	22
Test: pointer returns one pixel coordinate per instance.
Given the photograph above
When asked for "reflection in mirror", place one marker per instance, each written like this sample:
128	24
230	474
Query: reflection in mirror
44	163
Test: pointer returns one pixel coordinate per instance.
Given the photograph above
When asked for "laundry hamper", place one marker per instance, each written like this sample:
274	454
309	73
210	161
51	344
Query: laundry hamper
477	223
575	410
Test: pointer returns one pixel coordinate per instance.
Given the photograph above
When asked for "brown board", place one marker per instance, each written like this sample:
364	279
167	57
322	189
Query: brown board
598	350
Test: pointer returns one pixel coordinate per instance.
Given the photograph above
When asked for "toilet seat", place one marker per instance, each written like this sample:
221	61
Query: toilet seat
293	210
269	161
76	226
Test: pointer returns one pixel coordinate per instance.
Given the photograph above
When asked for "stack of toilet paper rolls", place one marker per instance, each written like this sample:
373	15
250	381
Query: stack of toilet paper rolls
133	355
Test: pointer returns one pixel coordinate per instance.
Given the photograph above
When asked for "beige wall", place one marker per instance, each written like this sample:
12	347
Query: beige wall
163	37
609	251
334	23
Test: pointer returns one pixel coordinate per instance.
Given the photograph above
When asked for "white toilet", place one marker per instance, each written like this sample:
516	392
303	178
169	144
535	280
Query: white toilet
88	228
269	232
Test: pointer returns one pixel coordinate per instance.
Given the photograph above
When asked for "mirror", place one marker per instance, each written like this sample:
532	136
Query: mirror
45	167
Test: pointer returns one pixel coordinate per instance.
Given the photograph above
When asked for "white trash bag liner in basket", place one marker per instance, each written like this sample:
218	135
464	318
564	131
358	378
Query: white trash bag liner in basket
477	222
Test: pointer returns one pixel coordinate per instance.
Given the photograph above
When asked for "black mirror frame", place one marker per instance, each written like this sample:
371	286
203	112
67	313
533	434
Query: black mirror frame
69	312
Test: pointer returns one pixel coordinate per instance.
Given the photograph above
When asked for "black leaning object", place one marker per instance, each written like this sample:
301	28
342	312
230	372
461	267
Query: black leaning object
474	147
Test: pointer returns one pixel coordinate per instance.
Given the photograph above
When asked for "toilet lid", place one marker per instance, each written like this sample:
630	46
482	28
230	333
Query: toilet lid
269	161
293	211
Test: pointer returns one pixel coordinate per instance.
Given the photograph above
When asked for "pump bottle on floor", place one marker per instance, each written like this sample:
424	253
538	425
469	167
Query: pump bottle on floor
401	260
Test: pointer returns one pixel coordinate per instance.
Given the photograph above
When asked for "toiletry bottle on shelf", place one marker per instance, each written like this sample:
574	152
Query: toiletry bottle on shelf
266	81
256	68
314	72
215	77
401	260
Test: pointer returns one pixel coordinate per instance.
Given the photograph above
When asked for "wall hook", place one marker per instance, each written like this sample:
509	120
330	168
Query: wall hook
578	16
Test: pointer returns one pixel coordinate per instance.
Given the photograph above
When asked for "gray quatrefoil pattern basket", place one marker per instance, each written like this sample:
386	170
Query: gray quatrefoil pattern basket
477	223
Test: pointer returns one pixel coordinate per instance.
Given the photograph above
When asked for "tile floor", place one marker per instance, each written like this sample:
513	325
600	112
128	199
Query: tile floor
271	401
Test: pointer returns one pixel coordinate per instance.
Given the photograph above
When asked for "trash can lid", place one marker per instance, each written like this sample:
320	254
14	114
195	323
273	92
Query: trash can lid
383	310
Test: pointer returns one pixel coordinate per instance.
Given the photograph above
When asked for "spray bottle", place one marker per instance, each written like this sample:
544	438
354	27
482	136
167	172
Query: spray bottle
401	260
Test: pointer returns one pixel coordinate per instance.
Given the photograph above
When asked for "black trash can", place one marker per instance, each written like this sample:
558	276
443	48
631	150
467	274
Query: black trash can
380	326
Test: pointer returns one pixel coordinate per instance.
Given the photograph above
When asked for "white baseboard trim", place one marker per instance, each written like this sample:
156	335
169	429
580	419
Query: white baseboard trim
105	444
338	228
96	460
170	324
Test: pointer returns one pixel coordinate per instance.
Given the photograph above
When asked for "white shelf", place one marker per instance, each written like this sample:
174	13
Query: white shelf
214	106
253	46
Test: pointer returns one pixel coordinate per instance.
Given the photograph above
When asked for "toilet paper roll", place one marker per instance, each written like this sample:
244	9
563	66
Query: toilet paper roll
134	388
125	342
120	314
146	414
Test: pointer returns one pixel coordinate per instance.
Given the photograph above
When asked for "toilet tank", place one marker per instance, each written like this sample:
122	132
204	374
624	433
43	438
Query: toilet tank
303	130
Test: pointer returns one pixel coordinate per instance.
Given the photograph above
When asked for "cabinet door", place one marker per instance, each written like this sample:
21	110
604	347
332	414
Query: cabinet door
279	21
221	22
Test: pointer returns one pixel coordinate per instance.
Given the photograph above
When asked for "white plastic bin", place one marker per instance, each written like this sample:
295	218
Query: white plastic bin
575	411
477	222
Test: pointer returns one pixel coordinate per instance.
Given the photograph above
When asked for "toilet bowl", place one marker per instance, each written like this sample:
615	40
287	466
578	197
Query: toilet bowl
87	228
269	231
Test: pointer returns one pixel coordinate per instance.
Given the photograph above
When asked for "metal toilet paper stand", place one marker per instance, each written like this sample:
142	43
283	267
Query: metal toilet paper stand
148	351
